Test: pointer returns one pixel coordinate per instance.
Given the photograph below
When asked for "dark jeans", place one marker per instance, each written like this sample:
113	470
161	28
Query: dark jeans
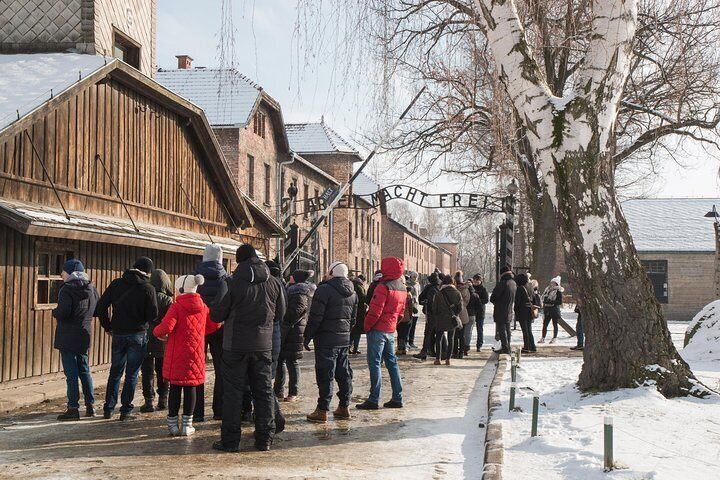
546	322
480	323
332	364
189	399
355	341
528	338
240	370
128	353
403	329
293	369
428	339
150	369
443	341
502	330
214	341
76	368
580	331
458	347
411	333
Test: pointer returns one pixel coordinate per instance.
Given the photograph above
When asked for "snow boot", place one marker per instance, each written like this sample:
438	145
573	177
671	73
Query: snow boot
172	423
148	407
318	416
187	428
71	414
342	413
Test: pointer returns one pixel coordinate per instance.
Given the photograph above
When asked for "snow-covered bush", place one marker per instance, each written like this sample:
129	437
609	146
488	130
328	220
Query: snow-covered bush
702	338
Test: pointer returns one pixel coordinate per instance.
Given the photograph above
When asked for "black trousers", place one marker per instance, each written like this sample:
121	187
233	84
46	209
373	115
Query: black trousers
458	345
441	343
403	329
411	333
428	339
502	330
528	338
214	342
480	323
189	399
240	370
332	364
546	322
151	368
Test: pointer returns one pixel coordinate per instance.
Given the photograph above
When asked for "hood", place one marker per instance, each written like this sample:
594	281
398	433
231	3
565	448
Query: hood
302	289
211	270
252	270
521	280
160	280
392	268
344	286
434	279
135	277
507	276
77	279
190	302
462	287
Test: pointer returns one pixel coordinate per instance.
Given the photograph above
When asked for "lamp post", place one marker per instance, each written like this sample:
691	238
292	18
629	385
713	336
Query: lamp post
716	225
506	230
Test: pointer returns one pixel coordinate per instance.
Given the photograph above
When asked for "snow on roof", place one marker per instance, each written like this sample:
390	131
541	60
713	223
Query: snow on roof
443	239
27	81
309	138
671	224
365	185
227	96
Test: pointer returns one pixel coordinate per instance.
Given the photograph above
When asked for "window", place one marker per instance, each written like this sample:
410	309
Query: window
126	49
325	261
306	195
362	226
657	272
350	232
356	223
49	263
251	176
259	124
268	176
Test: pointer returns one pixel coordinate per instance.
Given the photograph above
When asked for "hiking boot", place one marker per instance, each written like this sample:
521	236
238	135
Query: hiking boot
126	416
318	416
148	407
89	411
172	423
447	361
68	415
162	403
342	413
187	428
221	447
367	405
401	352
393	404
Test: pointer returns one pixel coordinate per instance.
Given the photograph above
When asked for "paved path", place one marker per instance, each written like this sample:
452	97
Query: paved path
435	436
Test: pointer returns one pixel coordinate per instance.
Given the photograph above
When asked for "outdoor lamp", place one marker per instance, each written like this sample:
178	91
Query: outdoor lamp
713	214
512	188
292	190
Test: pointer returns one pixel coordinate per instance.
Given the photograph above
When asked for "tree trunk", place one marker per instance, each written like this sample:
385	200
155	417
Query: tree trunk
545	241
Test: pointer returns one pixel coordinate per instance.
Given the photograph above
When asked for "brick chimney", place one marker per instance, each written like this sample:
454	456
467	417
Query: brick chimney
423	232
184	62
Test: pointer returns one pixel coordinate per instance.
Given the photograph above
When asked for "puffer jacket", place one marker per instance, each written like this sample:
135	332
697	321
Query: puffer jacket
185	324
389	297
133	302
523	299
215	284
77	299
466	297
296	316
164	295
248	308
446	303
502	298
332	314
426	300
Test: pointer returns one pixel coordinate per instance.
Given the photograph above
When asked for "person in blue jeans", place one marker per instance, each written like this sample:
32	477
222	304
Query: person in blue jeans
134	306
76	303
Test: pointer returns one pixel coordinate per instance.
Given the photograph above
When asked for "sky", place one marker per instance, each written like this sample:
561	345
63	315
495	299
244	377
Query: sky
268	50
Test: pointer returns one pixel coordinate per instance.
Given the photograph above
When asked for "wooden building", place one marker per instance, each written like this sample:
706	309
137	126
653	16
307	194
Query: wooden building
101	163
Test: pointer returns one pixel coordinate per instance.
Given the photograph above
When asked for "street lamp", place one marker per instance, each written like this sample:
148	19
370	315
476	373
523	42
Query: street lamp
713	214
513	188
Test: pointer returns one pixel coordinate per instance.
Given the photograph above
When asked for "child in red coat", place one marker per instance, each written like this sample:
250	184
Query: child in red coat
185	326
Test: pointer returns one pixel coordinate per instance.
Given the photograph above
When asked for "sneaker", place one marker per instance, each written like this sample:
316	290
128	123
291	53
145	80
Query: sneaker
542	340
126	416
412	345
342	413
401	352
89	411
221	447
553	340
478	349
199	419
393	404
524	350
318	416
367	405
69	415
290	398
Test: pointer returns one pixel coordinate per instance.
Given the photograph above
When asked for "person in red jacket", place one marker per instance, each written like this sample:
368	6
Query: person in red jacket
184	327
386	306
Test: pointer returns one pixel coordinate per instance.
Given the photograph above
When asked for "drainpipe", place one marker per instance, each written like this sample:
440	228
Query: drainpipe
280	193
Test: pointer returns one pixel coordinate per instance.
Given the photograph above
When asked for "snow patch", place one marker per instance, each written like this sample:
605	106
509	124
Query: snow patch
703	335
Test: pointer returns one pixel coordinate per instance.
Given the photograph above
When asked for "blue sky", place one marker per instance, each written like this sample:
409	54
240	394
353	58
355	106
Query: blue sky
267	52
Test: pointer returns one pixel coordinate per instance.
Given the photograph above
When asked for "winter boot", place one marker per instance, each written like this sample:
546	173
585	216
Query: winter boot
420	356
437	362
89	411
70	414
318	416
393	404
172	423
126	416
187	428
367	405
148	407
162	402
342	413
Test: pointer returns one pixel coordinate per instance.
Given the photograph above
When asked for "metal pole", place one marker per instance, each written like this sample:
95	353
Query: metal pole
47	175
536	407
512	396
608	443
117	192
517	355
513	369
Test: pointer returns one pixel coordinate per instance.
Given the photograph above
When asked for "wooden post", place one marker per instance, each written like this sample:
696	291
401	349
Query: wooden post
512	396
608	444
536	407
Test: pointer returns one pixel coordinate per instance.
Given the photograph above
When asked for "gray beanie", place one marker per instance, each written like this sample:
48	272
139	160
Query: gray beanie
213	253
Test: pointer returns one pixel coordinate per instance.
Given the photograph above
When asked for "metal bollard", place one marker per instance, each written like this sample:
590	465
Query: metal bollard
608	444
517	355
536	407
512	396
513	369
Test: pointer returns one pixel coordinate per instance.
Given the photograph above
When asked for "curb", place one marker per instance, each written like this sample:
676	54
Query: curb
492	469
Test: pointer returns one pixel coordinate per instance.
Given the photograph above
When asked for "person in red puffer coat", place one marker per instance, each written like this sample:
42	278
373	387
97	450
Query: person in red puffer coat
386	306
185	326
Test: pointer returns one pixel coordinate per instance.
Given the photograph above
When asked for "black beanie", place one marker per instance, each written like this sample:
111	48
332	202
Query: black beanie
144	264
245	252
447	280
301	276
434	279
504	269
273	267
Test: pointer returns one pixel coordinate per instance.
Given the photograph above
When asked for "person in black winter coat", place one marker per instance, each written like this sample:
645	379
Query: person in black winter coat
478	307
76	303
426	300
502	298
248	312
280	309
359	329
332	314
300	294
134	306
211	268
153	363
523	311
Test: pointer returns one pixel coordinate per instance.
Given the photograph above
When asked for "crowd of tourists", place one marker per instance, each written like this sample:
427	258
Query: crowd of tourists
257	328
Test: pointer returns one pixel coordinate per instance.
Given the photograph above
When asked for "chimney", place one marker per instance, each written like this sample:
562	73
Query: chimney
423	231
184	62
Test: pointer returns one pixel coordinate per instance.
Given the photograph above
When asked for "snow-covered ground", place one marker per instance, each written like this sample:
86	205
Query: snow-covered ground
654	438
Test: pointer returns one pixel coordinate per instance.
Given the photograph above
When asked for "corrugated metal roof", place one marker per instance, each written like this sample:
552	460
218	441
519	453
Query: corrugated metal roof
318	138
671	224
27	81
227	96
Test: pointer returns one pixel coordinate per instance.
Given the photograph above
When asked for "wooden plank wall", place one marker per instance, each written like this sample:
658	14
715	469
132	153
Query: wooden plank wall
27	334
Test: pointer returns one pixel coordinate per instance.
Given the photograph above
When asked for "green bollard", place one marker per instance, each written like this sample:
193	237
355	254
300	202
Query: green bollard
517	355
513	370
608	444
512	396
536	407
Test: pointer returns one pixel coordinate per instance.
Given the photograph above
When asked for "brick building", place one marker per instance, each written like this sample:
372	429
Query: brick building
447	254
125	29
409	243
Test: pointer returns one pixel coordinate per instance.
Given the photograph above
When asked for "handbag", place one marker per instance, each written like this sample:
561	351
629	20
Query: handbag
454	319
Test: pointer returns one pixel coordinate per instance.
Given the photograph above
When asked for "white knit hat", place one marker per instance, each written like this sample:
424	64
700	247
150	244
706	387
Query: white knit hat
338	269
188	283
557	280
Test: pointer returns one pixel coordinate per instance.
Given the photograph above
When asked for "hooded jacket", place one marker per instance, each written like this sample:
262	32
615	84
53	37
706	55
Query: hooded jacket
293	326
464	290
332	314
215	284
478	300
389	297
164	297
77	299
446	303
523	299
502	298
248	308
427	295
186	323
133	302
